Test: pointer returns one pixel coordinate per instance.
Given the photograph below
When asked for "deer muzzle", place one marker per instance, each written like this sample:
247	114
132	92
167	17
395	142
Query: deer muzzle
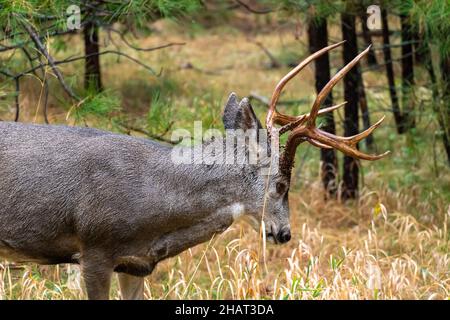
284	235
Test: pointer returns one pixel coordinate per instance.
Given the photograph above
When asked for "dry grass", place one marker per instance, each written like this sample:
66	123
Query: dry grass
375	250
393	243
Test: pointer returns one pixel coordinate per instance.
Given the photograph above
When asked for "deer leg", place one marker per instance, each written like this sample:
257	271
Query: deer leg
97	272
131	287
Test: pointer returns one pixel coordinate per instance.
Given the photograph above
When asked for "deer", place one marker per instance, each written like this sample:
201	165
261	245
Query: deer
114	203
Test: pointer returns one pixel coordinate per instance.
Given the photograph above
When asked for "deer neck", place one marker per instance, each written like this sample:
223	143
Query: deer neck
179	240
207	198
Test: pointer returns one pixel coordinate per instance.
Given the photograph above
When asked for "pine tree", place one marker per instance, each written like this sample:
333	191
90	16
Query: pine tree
350	167
318	39
25	26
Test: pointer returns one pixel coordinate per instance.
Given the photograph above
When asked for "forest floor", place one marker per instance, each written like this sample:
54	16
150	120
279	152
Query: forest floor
391	243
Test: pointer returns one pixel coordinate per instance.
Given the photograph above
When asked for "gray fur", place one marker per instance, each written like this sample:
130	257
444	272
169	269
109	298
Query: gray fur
117	203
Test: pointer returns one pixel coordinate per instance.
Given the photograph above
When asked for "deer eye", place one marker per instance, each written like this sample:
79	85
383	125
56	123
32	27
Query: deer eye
280	187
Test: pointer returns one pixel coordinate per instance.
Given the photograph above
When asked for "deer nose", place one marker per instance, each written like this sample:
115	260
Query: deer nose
284	235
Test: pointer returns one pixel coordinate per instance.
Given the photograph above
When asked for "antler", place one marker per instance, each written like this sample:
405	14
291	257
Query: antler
303	127
273	116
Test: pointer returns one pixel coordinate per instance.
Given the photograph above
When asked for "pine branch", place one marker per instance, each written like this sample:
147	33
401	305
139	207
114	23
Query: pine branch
250	9
122	37
39	45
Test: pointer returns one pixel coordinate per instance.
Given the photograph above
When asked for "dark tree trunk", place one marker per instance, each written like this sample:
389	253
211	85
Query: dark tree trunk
318	39
420	50
364	110
407	74
444	114
426	56
390	74
371	57
92	74
372	61
351	95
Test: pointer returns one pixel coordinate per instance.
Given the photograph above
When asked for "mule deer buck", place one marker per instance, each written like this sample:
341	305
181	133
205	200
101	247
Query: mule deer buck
115	203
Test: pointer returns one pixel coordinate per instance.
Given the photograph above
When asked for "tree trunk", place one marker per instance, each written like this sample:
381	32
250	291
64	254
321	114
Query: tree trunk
390	74
420	50
351	95
364	110
318	39
92	74
427	60
444	113
407	74
371	57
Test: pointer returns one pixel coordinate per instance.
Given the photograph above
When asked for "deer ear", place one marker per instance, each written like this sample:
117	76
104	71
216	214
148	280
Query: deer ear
230	112
240	115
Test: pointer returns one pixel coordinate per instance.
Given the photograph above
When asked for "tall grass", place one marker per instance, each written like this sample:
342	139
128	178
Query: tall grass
376	251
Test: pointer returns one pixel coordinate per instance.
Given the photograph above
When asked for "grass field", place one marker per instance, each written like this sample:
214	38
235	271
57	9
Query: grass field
392	243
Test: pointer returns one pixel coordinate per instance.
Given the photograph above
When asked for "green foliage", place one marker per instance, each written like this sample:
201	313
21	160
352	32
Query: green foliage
100	105
433	20
170	8
159	116
40	12
321	9
58	45
318	8
48	14
6	96
49	18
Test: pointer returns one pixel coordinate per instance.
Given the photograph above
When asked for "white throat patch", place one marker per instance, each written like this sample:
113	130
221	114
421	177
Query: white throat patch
237	210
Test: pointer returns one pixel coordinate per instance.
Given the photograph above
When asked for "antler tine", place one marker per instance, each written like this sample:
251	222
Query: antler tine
291	125
317	138
272	115
346	148
329	109
327	88
353	140
290	122
318	144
